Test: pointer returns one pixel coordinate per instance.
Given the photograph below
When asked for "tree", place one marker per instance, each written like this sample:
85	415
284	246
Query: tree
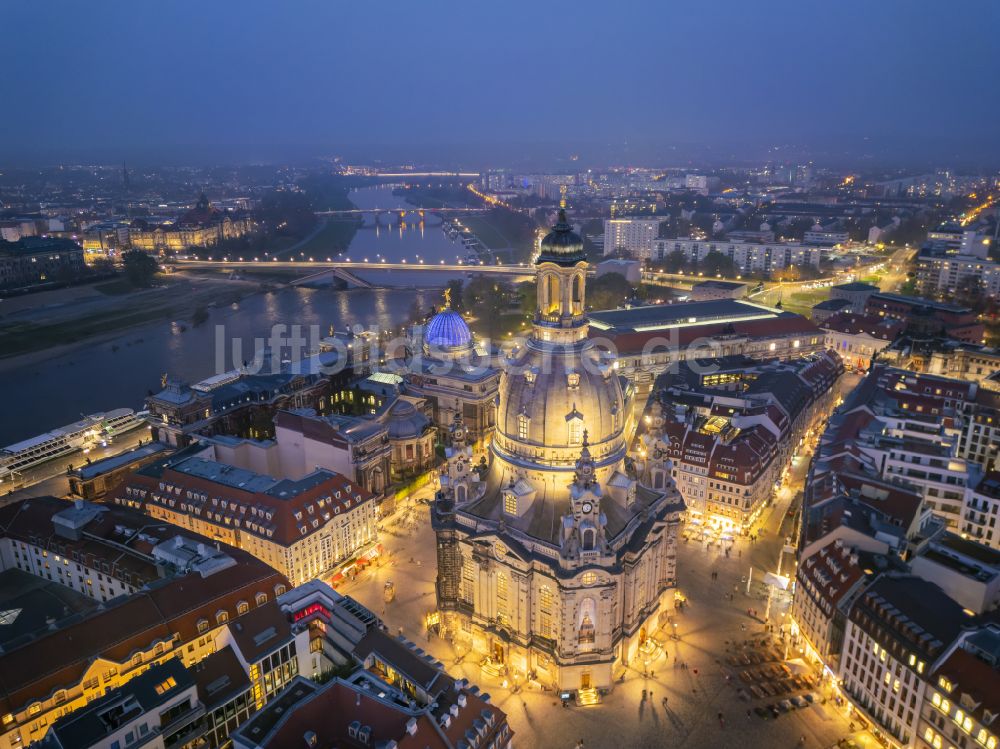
717	264
608	291
488	299
140	268
675	262
528	292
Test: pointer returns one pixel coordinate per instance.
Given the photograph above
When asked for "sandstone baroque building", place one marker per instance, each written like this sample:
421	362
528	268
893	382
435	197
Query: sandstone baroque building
556	563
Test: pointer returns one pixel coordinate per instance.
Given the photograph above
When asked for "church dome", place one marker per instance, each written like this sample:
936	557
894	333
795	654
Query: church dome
447	330
405	422
562	245
550	399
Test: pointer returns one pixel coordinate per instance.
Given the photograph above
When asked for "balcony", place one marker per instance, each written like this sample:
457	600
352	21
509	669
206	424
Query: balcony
183	727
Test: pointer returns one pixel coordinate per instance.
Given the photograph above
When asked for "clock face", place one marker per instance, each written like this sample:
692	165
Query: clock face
587	507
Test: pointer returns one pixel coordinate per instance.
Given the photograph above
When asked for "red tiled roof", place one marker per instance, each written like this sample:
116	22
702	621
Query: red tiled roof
331	496
832	570
976	678
59	658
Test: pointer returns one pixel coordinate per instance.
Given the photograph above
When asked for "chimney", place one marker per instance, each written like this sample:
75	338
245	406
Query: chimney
411	726
311	739
462	700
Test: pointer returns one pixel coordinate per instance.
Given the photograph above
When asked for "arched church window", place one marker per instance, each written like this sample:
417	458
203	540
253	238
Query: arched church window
460	493
522	427
578	294
586	630
576	431
553	295
589	539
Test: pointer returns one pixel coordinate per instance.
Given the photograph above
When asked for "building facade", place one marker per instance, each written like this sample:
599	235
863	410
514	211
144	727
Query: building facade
631	236
749	257
303	527
557	564
159	591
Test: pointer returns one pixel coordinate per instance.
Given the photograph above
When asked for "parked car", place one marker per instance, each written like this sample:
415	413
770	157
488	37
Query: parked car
810	697
774	710
799	702
785	705
762	712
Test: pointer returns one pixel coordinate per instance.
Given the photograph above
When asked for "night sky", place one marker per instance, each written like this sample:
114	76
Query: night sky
618	81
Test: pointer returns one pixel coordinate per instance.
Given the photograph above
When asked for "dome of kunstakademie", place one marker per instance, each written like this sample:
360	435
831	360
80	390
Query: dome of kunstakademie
447	330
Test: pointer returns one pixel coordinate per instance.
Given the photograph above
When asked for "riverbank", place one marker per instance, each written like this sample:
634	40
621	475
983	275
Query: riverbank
54	323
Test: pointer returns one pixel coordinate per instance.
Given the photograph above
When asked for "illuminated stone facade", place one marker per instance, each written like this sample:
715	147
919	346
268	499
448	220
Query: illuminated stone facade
555	563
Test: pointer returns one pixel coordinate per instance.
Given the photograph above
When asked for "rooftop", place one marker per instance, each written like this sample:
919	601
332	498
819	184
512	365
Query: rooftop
663	316
856	286
98	467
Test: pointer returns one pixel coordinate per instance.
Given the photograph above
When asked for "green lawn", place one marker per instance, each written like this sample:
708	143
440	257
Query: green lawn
506	326
501	228
331	239
802	302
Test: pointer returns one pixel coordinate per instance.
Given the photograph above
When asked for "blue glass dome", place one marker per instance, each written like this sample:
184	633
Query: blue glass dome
447	330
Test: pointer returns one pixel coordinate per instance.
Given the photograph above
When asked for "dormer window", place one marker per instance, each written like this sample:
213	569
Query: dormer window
529	377
573	380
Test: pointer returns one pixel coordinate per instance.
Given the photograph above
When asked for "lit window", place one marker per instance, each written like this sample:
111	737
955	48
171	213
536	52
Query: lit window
589	578
242	607
510	503
522	427
165	686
